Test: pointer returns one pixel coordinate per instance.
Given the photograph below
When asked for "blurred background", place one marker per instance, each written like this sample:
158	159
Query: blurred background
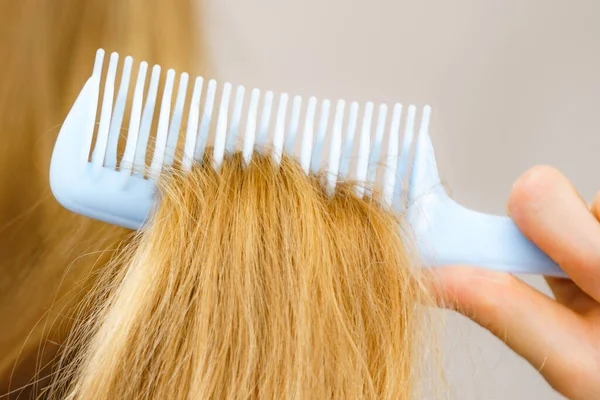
512	84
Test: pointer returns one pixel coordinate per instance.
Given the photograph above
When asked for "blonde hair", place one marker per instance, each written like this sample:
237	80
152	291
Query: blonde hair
48	253
316	300
251	282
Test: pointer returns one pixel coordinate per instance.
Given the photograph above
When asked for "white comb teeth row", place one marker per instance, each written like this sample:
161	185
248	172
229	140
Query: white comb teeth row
260	119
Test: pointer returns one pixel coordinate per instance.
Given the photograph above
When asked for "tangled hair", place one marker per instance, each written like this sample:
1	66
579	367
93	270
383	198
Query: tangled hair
252	282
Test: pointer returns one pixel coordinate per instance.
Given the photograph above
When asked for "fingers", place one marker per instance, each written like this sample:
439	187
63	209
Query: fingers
550	212
567	292
544	332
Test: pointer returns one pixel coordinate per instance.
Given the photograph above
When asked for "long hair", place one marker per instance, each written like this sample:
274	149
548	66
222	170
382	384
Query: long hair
251	282
47	253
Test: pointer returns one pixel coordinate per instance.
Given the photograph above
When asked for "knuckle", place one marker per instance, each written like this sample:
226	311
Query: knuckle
531	186
535	181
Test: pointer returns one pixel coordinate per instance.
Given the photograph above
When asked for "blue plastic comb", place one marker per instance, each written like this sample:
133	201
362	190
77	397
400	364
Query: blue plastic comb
122	191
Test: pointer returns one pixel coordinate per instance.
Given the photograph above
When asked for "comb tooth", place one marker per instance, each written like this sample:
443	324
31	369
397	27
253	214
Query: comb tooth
98	63
110	159
293	126
176	120
126	164
249	136
320	139
89	133
105	114
234	127
192	126
336	147
424	175
221	135
349	142
139	162
265	121
376	146
163	126
307	135
206	120
280	128
392	156
407	142
364	149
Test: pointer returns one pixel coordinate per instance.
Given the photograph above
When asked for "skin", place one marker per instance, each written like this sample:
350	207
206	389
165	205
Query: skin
560	337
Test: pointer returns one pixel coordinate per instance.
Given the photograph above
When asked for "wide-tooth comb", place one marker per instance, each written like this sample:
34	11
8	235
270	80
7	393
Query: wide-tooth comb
122	192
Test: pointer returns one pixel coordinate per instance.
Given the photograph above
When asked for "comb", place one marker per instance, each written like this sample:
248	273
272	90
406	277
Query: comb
89	175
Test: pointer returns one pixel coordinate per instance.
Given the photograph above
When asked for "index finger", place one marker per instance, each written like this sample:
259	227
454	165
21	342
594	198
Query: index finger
552	214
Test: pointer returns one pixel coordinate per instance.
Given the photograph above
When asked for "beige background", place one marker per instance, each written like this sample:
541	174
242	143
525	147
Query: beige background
512	83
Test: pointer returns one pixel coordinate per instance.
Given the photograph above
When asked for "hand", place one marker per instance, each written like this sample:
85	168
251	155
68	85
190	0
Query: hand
560	338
